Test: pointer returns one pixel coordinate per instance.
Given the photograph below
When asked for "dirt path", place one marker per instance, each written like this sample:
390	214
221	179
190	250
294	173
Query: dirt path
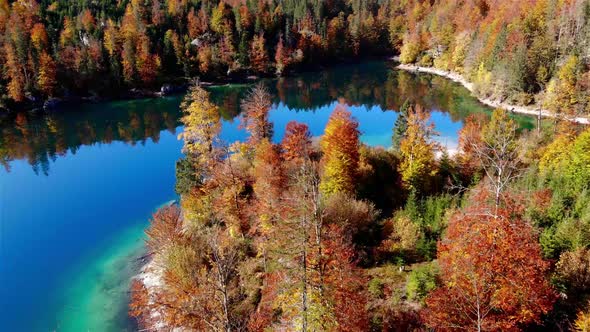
492	103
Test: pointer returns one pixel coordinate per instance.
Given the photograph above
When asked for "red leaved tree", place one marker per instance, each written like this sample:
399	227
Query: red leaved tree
256	107
297	142
493	273
344	282
165	228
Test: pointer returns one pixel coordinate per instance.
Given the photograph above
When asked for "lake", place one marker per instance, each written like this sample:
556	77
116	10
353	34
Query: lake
78	186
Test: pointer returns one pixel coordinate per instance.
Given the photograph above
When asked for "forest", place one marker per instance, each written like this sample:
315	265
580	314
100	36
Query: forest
525	52
327	233
331	235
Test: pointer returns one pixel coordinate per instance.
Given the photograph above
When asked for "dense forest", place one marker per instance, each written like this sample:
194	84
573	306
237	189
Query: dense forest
521	51
333	235
326	233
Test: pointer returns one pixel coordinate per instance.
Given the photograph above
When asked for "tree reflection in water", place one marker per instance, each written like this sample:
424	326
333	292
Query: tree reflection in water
41	139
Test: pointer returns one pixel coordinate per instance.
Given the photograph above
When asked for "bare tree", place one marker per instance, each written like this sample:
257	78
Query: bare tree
497	151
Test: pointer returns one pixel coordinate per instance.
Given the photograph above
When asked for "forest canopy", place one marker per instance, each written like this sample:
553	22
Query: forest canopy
333	235
521	51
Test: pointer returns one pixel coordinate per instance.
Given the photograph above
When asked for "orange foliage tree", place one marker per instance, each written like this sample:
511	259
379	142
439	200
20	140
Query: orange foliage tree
47	74
165	228
345	283
296	142
256	107
493	273
469	139
258	54
269	184
281	57
340	146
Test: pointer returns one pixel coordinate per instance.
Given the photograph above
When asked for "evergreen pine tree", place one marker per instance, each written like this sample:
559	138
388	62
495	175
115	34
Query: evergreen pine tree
401	125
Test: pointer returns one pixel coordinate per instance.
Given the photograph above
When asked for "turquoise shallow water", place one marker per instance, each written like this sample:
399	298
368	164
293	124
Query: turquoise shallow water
78	187
68	237
96	299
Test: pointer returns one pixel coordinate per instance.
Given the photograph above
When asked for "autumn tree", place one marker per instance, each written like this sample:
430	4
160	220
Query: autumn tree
344	282
17	83
492	272
87	20
270	182
281	57
16	45
47	79
224	257
411	48
200	283
139	303
340	147
582	323
337	36
573	273
292	243
202	124
562	96
469	141
39	37
146	63
497	152
417	150
255	108
111	39
296	143
321	288
258	54
165	228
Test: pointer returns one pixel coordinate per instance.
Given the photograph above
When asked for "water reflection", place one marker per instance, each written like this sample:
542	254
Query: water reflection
42	139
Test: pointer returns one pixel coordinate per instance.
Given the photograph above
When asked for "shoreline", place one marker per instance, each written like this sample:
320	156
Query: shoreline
456	77
166	89
151	276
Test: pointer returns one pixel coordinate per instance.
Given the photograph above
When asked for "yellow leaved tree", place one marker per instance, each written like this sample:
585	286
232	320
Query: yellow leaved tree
202	123
417	150
340	146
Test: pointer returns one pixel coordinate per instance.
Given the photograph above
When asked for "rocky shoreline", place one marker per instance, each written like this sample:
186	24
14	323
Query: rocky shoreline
456	77
151	276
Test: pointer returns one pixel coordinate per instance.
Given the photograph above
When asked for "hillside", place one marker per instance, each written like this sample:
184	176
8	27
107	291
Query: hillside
518	51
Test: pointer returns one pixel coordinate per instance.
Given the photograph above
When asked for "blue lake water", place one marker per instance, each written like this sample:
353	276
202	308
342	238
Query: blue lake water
78	187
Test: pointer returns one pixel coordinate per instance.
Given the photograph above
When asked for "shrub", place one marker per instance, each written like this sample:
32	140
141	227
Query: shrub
356	217
573	271
376	287
404	235
421	281
426	60
409	52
